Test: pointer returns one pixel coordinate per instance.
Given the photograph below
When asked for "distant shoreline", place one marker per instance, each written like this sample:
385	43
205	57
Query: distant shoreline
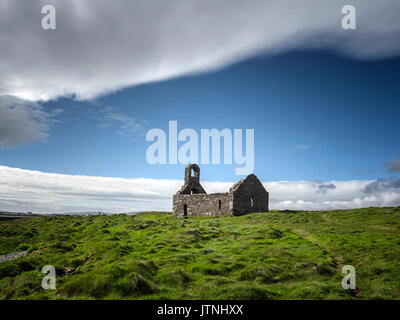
5	216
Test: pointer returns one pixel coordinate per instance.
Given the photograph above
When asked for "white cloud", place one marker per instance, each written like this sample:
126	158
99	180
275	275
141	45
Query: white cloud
22	121
101	46
26	190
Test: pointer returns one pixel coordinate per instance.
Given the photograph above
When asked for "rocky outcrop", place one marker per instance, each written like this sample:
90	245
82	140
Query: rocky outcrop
12	256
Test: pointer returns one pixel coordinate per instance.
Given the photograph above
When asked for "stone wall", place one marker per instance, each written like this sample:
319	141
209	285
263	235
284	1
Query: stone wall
192	182
249	195
216	204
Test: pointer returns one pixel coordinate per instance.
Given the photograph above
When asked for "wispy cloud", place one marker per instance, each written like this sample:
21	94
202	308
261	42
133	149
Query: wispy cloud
27	190
123	125
103	47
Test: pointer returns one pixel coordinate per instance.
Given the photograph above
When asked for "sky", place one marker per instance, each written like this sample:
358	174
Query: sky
76	107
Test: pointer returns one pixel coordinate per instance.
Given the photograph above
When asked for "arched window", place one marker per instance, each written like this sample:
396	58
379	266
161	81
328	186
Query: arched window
251	201
219	204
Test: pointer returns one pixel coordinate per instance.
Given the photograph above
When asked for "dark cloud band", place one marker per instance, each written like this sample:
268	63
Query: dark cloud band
102	46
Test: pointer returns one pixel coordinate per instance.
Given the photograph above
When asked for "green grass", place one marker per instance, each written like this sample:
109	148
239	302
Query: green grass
274	255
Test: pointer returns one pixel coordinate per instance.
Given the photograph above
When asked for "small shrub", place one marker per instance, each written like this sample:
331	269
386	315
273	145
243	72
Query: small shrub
25	265
23	247
9	269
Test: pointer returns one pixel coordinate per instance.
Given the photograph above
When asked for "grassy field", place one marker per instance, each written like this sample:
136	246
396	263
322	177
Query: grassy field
274	255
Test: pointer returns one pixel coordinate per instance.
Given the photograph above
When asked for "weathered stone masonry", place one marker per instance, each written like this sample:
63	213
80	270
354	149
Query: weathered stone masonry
247	195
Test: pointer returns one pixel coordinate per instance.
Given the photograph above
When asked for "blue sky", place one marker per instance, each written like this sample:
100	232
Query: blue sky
75	108
316	116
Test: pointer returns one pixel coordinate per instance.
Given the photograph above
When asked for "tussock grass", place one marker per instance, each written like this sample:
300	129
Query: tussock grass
274	255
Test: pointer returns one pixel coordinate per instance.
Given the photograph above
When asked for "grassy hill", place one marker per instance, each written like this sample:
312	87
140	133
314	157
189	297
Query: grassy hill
274	255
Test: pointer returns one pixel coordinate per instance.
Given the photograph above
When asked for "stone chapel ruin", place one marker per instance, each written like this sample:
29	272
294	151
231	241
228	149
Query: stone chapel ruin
245	196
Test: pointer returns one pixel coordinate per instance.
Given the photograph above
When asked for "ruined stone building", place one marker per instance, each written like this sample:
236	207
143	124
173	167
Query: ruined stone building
245	196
